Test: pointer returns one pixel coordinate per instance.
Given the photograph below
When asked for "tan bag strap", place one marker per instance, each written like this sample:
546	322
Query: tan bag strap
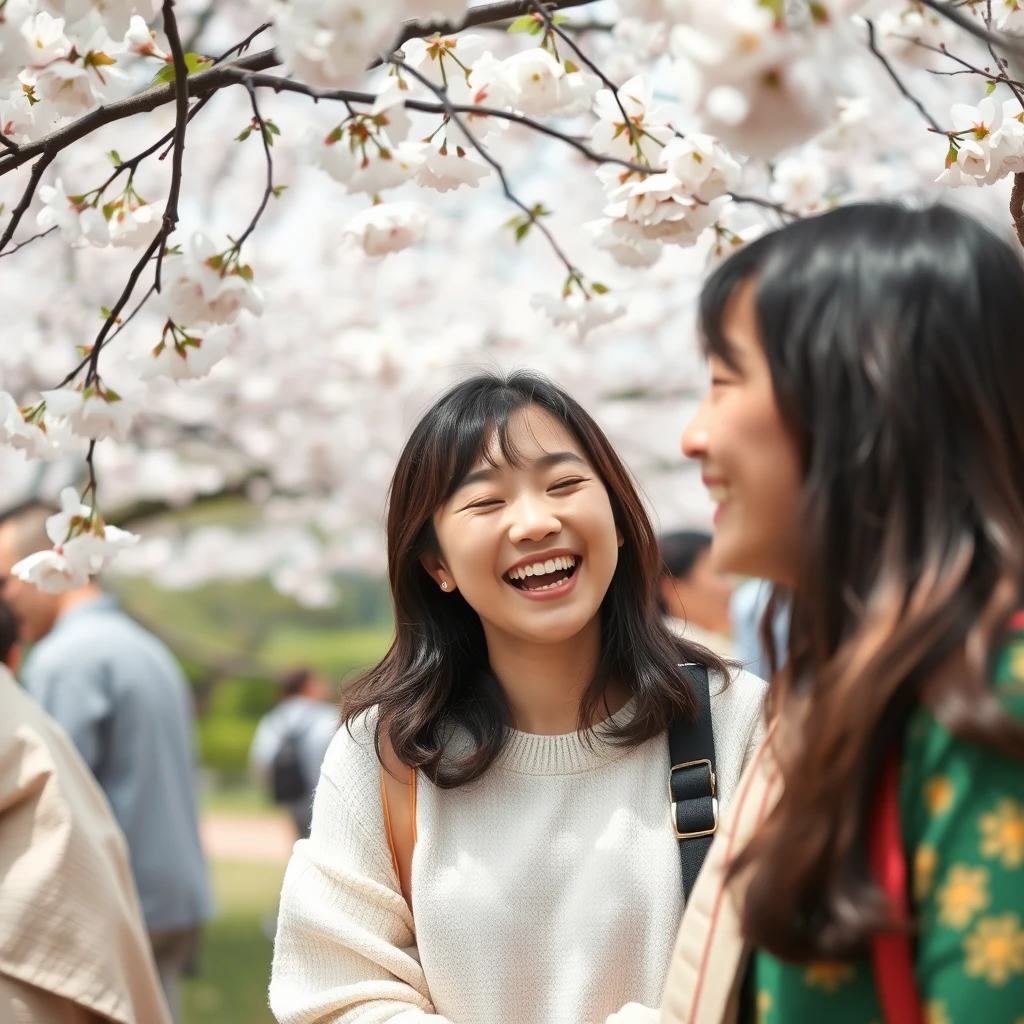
398	802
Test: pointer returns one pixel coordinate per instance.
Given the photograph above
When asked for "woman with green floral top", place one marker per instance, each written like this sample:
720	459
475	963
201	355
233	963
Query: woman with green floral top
863	440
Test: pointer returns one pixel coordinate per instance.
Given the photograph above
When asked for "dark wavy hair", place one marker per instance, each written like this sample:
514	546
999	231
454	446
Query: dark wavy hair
436	676
894	342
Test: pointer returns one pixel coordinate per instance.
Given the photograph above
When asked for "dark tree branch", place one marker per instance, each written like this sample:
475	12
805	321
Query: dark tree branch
265	137
9	143
766	203
971	25
26	198
873	46
475	17
170	221
28	241
222	75
279	84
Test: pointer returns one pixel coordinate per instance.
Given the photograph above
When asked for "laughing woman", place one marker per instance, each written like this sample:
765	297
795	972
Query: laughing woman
526	868
864	434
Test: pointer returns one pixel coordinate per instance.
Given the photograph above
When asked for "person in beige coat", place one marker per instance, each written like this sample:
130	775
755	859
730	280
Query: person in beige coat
73	948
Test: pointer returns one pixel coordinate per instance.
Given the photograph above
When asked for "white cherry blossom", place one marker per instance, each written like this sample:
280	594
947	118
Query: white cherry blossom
95	412
443	59
140	39
624	241
800	183
202	286
45	41
388	227
649	128
540	86
328	43
33	433
584	312
185	355
79	223
51	572
447	168
136	226
702	164
370	167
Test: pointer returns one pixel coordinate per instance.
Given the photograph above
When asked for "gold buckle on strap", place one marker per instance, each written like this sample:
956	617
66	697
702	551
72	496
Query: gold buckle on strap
714	800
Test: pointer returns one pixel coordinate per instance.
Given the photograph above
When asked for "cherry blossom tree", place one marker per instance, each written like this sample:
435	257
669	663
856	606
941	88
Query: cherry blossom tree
248	241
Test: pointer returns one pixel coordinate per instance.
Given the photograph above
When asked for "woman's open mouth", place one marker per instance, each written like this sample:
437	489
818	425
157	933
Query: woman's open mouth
545	576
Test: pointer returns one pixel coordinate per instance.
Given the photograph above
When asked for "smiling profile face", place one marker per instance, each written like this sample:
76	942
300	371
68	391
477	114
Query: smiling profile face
750	463
532	546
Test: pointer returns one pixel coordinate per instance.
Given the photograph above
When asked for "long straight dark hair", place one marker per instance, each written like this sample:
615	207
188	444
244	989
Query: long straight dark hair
895	342
436	676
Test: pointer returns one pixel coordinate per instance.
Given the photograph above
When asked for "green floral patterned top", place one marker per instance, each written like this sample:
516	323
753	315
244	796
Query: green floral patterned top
962	809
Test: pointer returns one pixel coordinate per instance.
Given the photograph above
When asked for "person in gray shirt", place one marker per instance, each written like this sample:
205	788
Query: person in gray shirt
122	698
299	730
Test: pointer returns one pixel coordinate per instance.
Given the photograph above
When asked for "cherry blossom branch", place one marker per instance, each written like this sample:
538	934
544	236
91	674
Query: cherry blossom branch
475	17
28	241
26	198
551	27
9	143
1001	63
265	136
170	219
767	204
120	327
279	84
951	12
531	215
907	94
222	75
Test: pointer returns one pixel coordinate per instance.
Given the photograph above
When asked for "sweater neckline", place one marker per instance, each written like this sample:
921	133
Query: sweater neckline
528	753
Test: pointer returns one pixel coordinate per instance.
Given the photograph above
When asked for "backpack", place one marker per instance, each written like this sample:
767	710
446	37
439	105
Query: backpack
287	779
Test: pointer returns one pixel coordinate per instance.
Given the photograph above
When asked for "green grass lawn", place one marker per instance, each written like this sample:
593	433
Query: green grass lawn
236	954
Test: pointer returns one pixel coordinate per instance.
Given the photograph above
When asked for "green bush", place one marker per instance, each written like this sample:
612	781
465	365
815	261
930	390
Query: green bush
241	698
224	743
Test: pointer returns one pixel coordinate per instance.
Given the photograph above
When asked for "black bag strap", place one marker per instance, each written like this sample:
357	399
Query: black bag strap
692	783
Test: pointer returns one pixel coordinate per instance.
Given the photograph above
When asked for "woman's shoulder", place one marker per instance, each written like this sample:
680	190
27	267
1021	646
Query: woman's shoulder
353	752
737	693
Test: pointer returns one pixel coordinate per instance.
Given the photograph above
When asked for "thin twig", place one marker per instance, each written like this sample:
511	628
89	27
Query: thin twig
26	198
120	327
279	84
170	220
269	190
244	45
455	116
738	197
873	46
28	241
551	27
1003	65
1005	41
9	143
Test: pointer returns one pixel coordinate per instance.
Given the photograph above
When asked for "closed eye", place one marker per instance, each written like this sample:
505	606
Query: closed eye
571	482
484	503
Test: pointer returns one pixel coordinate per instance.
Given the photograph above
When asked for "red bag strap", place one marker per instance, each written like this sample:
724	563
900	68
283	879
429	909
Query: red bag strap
892	953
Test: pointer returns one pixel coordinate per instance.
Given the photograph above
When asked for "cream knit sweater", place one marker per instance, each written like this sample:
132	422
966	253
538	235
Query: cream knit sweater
548	892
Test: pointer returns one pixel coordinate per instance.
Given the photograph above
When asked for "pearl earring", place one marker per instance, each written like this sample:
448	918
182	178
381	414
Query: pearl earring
444	586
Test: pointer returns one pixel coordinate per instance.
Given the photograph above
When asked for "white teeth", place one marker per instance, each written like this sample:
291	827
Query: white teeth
559	564
719	494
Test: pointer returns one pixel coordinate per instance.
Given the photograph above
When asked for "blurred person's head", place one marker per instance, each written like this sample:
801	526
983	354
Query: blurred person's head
513	522
22	533
691	587
863	439
303	682
8	636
